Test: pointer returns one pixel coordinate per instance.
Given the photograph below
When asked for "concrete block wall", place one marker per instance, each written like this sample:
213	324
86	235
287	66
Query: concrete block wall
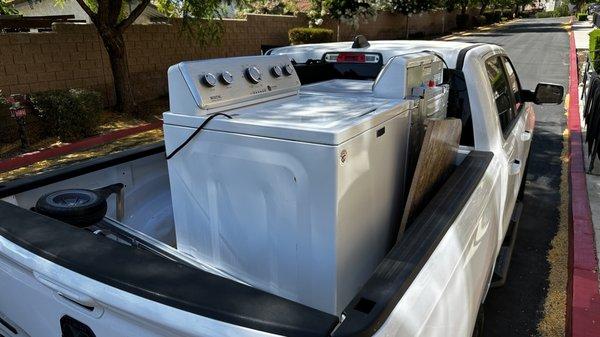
73	56
387	26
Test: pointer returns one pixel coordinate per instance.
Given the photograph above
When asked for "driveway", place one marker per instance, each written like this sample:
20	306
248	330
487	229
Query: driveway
539	48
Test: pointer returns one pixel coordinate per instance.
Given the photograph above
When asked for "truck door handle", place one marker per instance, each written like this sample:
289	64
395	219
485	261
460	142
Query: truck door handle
515	167
71	295
526	136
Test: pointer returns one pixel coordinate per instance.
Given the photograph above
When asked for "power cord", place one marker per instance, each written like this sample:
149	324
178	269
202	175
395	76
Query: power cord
196	132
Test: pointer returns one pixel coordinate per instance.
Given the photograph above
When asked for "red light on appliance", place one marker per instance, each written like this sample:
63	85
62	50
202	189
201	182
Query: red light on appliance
351	58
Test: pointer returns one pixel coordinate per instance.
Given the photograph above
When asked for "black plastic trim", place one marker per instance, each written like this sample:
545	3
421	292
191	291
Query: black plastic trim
71	327
77	169
460	61
8	326
158	279
396	273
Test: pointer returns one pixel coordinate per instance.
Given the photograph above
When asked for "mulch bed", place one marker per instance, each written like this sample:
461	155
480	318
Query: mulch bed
102	150
110	121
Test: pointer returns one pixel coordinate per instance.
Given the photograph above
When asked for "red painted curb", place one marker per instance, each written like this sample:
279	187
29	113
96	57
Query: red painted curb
583	298
34	157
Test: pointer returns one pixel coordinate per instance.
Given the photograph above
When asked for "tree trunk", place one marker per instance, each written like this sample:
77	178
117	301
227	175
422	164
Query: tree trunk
115	46
444	23
407	27
463	10
483	8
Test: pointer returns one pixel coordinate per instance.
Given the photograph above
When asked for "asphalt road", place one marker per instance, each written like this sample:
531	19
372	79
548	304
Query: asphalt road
539	49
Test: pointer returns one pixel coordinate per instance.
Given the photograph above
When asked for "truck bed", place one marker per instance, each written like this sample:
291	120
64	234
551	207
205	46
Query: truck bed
25	237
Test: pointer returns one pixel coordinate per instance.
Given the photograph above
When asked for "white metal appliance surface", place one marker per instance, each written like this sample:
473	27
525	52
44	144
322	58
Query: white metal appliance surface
349	87
296	194
436	102
417	77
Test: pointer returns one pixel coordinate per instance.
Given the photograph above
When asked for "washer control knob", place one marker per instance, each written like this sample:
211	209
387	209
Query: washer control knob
209	80
253	74
226	77
276	71
288	70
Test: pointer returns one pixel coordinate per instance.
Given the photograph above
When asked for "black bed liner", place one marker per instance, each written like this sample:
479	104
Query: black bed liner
147	275
161	280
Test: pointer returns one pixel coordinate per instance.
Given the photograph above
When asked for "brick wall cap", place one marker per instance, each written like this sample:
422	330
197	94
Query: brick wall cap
71	27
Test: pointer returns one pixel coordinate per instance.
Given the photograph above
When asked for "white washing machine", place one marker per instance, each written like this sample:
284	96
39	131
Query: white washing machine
298	195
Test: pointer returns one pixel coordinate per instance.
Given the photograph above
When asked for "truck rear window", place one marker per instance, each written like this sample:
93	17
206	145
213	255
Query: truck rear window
318	70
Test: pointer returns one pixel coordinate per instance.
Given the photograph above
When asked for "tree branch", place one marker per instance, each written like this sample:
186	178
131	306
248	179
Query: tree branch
87	10
114	11
135	13
103	10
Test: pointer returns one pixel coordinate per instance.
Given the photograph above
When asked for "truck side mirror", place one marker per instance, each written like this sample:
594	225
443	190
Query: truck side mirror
547	93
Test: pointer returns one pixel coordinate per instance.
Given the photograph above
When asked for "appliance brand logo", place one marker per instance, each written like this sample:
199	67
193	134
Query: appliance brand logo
259	91
343	156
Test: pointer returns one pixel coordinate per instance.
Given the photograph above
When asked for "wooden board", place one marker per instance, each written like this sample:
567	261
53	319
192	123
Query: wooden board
436	159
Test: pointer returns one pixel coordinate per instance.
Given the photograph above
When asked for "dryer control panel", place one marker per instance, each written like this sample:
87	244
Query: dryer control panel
220	84
406	72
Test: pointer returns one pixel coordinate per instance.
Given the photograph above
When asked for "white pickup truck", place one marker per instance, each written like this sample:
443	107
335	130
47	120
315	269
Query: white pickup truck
136	272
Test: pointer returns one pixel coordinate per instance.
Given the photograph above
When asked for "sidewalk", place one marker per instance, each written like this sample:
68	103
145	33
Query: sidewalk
583	308
582	29
592	181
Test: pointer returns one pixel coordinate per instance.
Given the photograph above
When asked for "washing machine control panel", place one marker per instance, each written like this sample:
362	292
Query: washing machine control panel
219	83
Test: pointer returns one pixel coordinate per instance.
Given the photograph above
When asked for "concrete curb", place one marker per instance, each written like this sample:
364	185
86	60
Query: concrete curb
36	156
583	298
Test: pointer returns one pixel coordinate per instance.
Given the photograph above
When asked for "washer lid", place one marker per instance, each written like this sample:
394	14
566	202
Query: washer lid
337	87
307	118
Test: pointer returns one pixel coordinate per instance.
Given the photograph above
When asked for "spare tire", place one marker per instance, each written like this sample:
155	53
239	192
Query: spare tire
78	207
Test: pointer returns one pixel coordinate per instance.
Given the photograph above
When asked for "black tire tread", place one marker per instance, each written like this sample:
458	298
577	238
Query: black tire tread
82	215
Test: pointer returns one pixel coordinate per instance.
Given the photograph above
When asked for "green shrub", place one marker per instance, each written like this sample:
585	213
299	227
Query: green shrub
542	15
463	21
90	102
7	129
417	36
493	17
479	20
310	35
582	17
563	10
594	46
69	114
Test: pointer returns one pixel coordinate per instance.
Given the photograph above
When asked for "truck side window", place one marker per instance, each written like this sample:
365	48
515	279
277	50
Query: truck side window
502	92
459	105
513	80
